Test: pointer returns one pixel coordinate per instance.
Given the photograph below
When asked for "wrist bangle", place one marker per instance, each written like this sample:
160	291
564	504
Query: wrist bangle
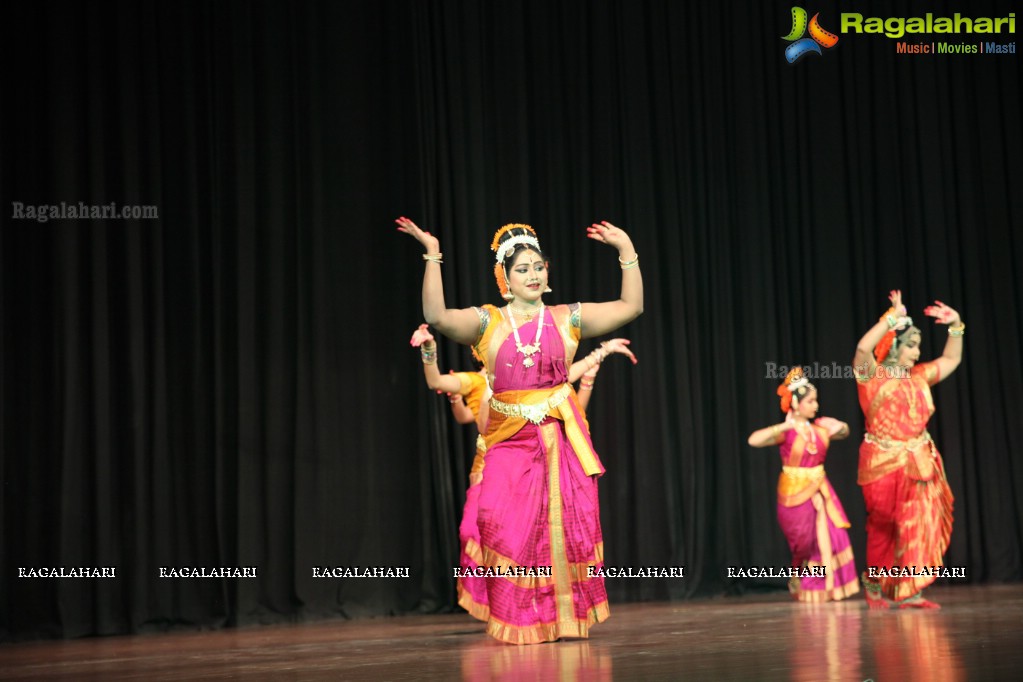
627	265
957	331
775	430
437	258
583	386
894	319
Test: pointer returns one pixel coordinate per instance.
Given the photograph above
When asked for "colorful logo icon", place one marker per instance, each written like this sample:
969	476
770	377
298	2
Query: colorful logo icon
801	46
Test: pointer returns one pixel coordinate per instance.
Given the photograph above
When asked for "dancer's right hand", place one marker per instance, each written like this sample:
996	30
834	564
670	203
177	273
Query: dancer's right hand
895	296
429	242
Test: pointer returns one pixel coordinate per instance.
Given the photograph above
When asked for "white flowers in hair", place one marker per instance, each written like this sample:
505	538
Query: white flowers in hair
509	245
798	384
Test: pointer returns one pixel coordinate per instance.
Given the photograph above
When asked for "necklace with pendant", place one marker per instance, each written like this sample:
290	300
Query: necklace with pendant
528	314
806	432
529	350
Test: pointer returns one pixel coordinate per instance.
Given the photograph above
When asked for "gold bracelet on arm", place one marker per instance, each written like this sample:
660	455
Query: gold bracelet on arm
429	354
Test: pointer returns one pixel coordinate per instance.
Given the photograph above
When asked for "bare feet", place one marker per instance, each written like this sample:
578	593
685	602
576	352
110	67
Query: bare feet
917	601
875	602
872	591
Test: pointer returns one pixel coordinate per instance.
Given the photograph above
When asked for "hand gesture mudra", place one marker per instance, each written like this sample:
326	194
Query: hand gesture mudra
619	346
942	314
421	335
606	233
895	296
429	242
832	425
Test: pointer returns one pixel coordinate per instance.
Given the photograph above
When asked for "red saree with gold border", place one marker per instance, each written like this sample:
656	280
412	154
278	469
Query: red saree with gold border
908	500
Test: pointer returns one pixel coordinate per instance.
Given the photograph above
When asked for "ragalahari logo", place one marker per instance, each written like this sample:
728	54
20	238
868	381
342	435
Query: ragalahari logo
800	46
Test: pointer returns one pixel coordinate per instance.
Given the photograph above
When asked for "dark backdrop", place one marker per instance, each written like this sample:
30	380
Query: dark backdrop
231	384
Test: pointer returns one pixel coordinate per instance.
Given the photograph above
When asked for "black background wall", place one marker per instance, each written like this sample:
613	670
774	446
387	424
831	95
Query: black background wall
231	383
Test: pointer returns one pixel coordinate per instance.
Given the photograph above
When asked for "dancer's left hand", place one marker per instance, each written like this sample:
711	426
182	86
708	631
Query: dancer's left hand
421	335
606	233
942	314
832	425
619	346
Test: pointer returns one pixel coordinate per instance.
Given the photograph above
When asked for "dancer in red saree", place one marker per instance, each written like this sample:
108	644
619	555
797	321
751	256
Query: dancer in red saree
909	503
809	511
538	515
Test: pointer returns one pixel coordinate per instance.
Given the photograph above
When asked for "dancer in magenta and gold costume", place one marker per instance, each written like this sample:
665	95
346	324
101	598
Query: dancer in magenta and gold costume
809	511
469	396
538	514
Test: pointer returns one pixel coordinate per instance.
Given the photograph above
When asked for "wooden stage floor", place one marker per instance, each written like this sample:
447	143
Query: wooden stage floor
977	635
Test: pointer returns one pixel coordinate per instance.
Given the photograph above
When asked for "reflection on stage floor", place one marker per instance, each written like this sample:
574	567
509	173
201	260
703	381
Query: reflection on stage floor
766	637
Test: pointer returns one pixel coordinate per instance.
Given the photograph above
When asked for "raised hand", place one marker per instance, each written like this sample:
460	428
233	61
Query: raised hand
942	314
619	346
429	242
606	233
421	335
895	296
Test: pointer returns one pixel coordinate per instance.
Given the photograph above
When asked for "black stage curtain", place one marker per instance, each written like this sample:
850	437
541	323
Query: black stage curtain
230	384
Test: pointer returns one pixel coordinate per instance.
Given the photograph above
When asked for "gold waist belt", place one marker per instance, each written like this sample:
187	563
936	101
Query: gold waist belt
804	473
891	444
534	412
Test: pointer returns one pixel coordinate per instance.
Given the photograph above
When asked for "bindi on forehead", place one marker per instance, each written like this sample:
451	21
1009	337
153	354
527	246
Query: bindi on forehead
528	258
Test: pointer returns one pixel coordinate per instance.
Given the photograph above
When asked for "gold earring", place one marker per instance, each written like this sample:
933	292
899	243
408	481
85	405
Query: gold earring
548	289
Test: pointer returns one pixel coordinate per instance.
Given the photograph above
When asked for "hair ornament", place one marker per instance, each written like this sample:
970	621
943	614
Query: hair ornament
796	385
502	249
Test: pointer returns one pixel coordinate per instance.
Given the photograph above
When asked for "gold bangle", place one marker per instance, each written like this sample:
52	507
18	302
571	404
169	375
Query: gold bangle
957	331
775	431
437	258
585	387
628	265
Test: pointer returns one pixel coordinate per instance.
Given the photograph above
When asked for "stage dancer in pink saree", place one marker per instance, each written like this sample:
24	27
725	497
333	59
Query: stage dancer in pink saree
469	396
538	515
909	502
809	511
